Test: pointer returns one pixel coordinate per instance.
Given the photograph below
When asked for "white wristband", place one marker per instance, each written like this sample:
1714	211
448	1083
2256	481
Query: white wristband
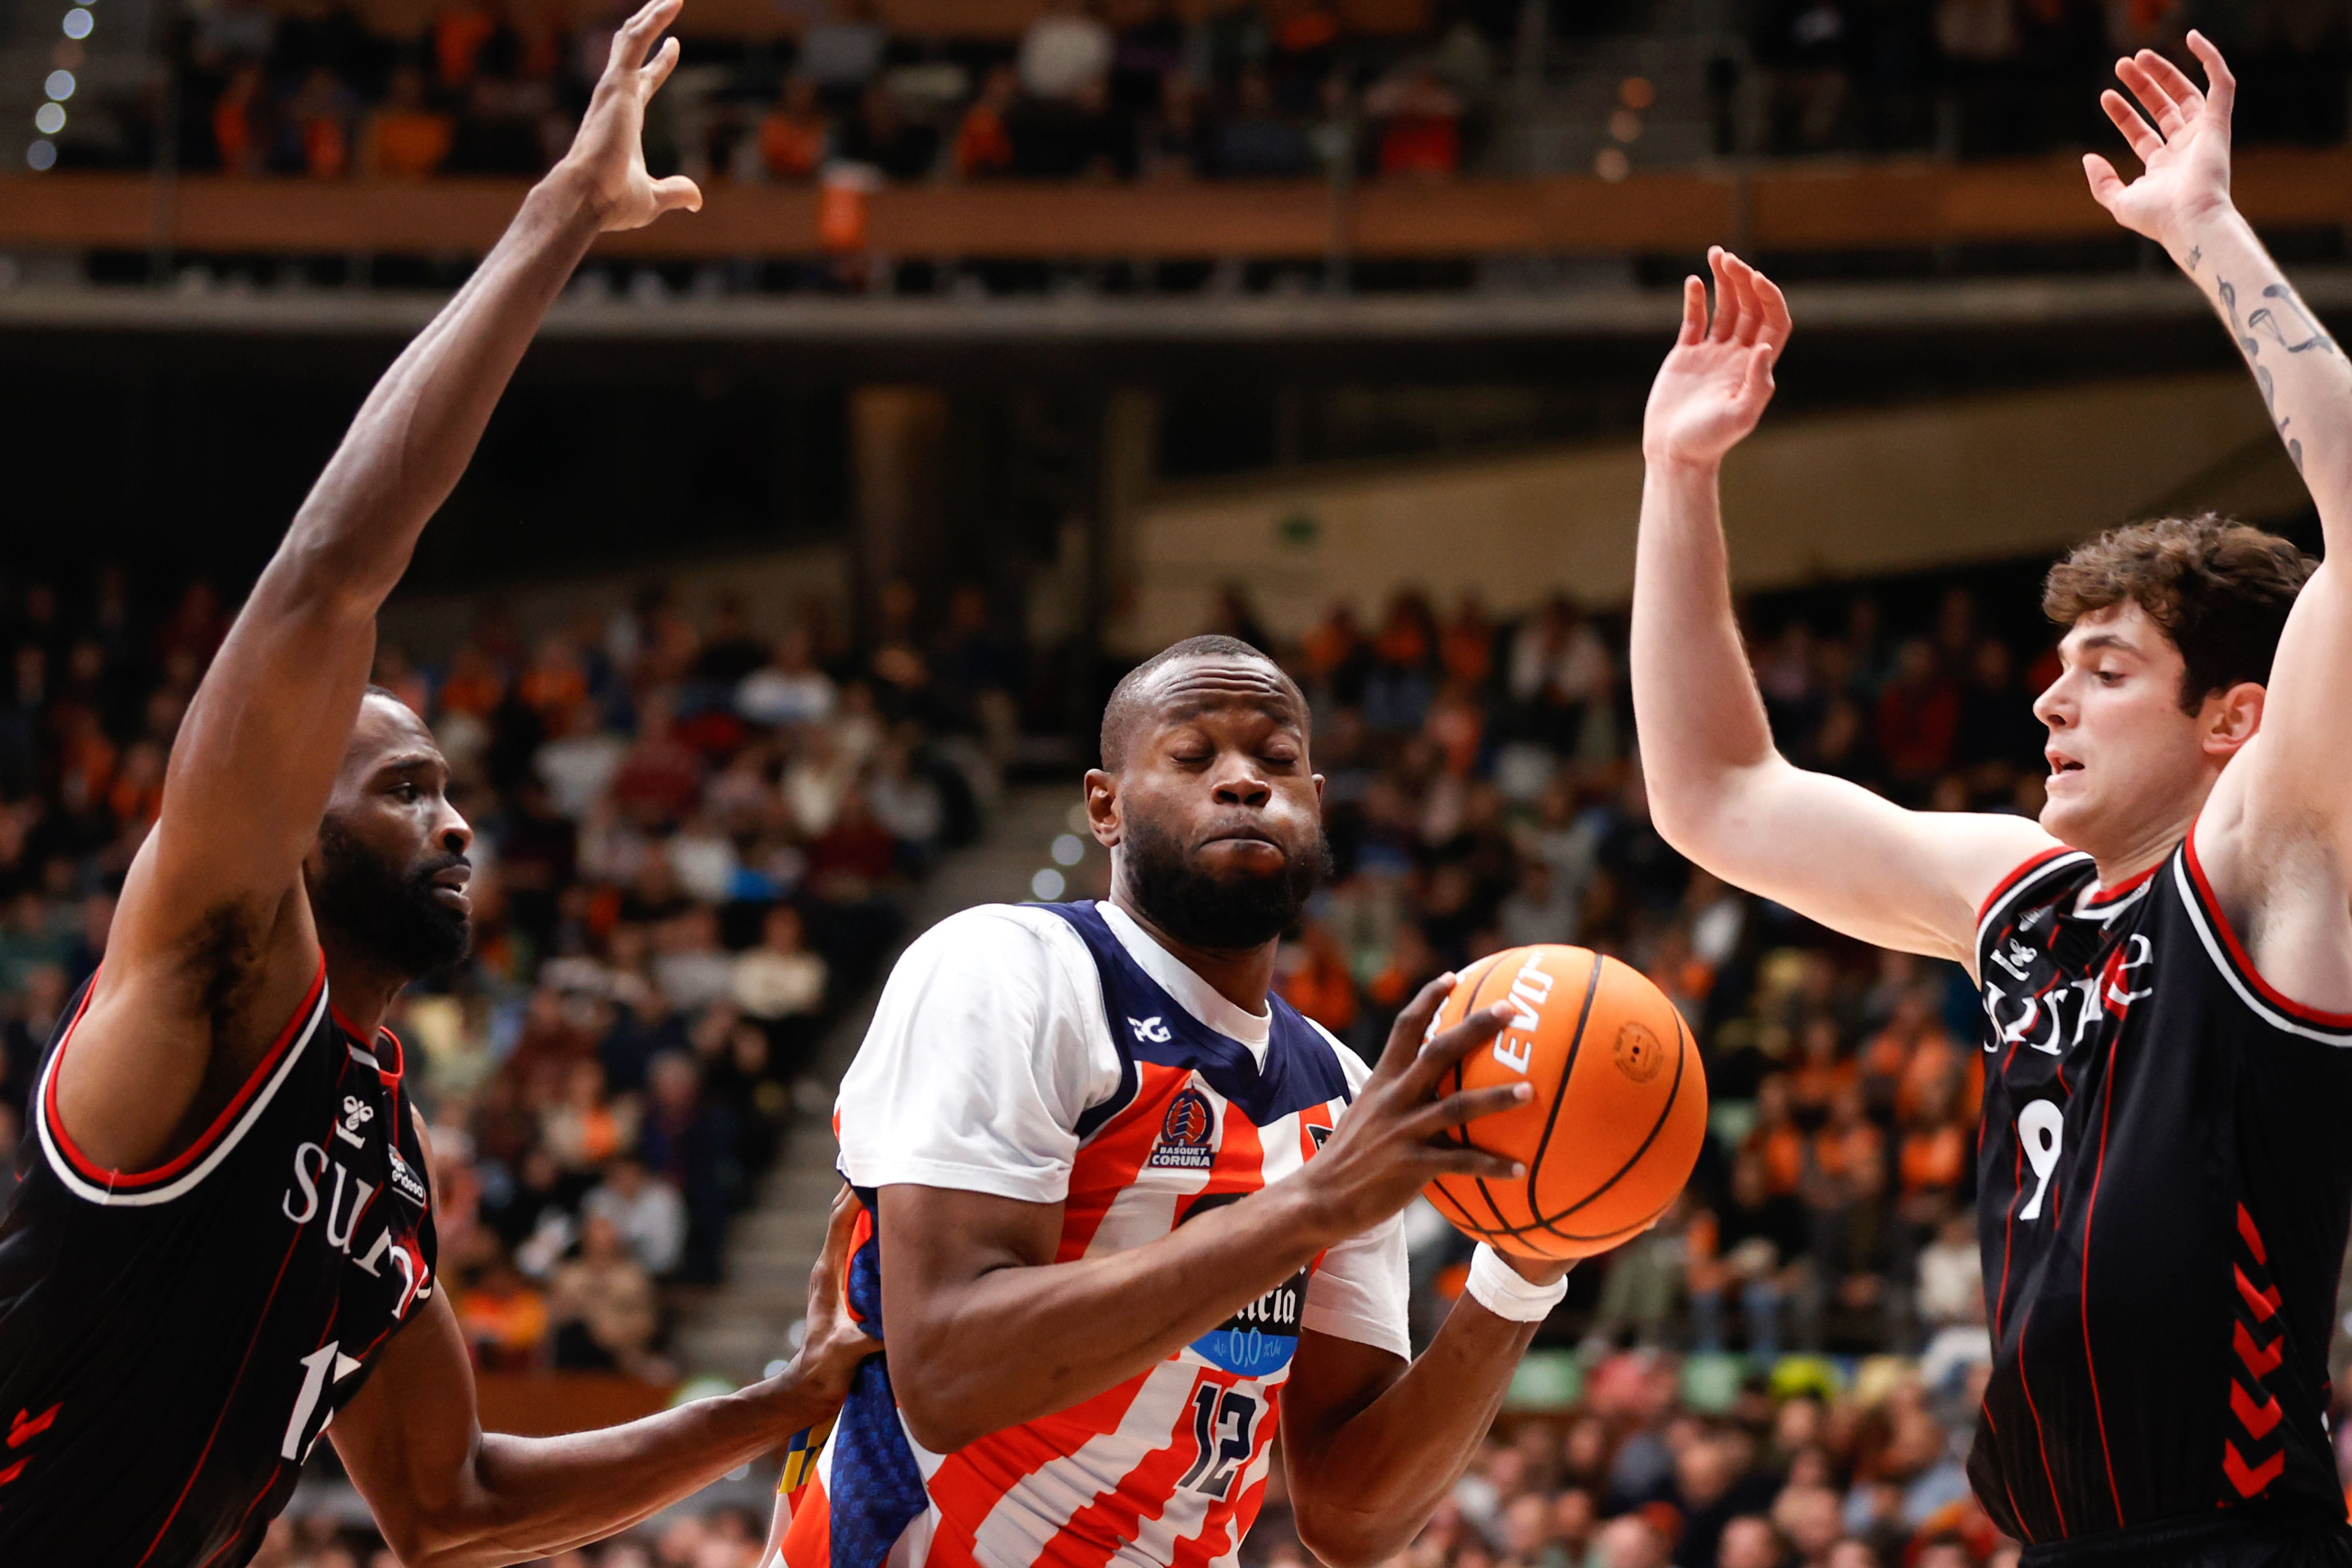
1502	1291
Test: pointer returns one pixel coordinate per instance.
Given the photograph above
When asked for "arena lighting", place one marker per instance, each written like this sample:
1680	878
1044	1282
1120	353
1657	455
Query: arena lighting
1069	850
60	85
41	156
49	119
78	22
1046	885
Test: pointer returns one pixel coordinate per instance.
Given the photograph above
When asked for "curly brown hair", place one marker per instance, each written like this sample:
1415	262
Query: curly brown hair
2220	590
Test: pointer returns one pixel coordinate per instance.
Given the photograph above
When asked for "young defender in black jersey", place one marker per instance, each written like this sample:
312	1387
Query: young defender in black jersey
223	1238
2165	959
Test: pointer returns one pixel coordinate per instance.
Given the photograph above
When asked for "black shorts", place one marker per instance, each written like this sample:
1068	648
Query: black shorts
2220	1543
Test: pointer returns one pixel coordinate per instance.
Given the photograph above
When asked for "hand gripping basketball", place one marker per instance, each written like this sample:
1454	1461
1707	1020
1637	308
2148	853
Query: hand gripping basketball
1393	1140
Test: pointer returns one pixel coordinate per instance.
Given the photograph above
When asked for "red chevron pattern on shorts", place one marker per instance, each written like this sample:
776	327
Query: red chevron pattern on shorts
2256	1454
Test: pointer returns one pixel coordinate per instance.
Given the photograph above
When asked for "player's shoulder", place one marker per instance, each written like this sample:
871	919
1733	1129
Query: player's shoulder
1015	944
1356	1069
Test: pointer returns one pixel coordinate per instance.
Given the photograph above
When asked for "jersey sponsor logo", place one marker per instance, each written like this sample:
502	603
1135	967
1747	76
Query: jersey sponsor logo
1187	1134
1259	1340
2061	1017
357	1114
405	1179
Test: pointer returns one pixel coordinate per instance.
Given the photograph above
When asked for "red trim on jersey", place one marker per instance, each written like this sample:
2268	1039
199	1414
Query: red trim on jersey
2099	895
2039	1442
2253	1237
1115	1518
260	1319
1118	1149
116	1181
2090	1212
2010	883
2008	1230
2243	964
1984	1409
971	1481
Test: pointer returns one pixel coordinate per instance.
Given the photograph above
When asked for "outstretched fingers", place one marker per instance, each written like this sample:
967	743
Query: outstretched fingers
634	38
2172	79
2106	185
2139	134
1405	1035
1449	1046
1693	312
2220	82
1458	1110
1727	297
2167	112
1778	324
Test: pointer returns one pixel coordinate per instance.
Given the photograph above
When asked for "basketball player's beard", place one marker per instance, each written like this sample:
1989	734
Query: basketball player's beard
1221	914
388	913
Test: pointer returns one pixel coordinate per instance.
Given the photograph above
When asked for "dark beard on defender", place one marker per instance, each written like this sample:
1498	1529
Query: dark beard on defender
393	916
1218	913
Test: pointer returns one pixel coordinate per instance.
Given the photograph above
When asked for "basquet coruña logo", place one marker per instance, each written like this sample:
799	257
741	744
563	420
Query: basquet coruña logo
1186	1134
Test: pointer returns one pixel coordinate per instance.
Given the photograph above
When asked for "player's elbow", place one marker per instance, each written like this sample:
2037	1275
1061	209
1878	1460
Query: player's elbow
1346	1537
939	1415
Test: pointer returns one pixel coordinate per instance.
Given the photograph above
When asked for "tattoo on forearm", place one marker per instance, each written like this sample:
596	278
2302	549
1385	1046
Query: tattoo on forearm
2266	322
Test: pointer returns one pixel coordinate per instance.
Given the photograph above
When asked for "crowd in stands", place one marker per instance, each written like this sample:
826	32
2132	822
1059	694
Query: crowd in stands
691	833
1128	90
2015	77
692	840
1155	90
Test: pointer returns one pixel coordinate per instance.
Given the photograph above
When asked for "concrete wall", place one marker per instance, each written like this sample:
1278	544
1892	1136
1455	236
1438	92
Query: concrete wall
1804	498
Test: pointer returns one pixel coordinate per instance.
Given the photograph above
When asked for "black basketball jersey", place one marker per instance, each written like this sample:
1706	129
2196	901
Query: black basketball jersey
172	1343
2166	1178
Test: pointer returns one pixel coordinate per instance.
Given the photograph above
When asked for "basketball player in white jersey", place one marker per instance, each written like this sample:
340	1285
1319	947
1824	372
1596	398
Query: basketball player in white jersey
1130	1209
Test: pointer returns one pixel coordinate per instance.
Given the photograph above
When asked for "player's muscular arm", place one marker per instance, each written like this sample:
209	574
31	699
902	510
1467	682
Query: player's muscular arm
1719	790
446	1495
985	1330
213	947
1374	1443
2279	823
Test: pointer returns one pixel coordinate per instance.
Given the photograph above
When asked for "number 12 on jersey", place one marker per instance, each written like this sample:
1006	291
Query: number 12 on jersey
1224	1420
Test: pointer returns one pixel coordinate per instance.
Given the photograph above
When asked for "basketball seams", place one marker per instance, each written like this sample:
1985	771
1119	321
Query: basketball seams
1559	1090
1683	1047
1460	1136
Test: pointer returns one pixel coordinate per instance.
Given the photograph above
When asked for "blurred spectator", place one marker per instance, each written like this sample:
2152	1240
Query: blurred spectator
645	1210
600	1306
406	139
1065	55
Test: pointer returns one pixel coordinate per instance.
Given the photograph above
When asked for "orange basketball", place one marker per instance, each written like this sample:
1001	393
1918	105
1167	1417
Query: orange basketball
1619	1113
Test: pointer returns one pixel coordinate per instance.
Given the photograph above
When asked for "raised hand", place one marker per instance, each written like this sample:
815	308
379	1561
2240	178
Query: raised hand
608	153
1713	387
1388	1145
2185	151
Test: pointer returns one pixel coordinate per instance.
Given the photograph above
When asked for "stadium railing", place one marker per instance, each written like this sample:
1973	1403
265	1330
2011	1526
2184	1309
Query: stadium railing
1769	209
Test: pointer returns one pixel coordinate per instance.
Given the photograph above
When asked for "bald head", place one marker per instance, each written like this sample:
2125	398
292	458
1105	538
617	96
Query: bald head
1166	681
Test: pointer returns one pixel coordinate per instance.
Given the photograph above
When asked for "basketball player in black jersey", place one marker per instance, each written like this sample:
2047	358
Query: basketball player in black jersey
2165	959
224	1236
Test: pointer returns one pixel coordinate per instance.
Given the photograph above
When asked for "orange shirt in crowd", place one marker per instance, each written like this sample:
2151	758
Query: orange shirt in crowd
1933	1158
982	145
408	144
459	35
1322	988
1467	649
1839	1150
1783	1150
791	145
1421	144
1815	1083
